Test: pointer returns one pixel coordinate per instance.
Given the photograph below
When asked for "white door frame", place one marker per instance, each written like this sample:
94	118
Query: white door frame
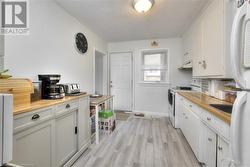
104	79
132	76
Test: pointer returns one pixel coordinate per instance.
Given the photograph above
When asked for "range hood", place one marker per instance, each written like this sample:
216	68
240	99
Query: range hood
186	65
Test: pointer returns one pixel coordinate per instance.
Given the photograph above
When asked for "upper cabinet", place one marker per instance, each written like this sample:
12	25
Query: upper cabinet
208	46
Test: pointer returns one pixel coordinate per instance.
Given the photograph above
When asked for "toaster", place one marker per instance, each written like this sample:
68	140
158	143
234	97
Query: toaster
71	88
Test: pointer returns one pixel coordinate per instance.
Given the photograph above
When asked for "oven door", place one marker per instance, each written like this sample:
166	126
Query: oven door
171	100
170	97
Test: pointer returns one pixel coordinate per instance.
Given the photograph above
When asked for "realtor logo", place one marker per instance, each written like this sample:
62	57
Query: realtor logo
14	17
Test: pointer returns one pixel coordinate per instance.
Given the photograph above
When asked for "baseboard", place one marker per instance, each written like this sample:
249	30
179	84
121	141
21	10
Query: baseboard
77	155
151	113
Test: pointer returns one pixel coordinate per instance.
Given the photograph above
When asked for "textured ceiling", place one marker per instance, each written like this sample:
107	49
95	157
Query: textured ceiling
116	20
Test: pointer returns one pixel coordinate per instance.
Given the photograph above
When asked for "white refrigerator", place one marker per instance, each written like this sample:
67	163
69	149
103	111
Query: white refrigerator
6	128
240	61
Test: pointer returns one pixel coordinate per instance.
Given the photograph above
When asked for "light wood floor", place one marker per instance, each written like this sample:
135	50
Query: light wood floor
141	142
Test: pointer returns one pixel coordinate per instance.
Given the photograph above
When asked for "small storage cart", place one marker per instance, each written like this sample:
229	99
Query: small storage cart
102	117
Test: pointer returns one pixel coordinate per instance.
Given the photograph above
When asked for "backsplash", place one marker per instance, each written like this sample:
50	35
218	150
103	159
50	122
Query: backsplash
220	89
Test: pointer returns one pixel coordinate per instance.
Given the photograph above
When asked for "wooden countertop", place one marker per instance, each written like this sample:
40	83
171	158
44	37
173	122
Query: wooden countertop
19	109
97	101
203	101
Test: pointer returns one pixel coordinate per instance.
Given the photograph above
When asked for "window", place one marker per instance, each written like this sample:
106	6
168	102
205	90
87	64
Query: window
154	66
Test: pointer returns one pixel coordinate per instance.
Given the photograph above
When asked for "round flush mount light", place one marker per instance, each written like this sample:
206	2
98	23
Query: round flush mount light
143	6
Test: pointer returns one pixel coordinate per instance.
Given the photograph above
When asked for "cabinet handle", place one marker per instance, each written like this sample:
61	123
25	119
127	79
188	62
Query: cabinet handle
183	114
35	117
219	148
190	105
199	62
209	139
204	64
186	117
209	119
68	106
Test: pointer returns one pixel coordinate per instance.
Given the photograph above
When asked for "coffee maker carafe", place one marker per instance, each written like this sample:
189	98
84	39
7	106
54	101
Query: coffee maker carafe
50	87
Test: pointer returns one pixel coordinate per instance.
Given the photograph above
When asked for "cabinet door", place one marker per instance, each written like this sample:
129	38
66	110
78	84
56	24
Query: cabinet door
212	39
187	43
83	122
197	57
65	137
223	153
208	143
194	133
34	147
181	115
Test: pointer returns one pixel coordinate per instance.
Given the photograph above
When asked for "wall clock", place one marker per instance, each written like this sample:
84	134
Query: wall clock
81	43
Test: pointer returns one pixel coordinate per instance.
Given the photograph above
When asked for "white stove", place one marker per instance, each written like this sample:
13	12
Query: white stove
171	100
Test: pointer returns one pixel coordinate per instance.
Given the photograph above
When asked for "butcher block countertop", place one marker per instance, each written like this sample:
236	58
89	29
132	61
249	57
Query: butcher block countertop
97	101
203	101
19	109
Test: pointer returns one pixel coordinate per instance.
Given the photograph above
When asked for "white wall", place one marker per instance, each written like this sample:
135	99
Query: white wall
150	97
50	47
99	63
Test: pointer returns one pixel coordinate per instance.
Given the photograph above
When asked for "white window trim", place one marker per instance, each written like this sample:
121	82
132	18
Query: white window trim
168	67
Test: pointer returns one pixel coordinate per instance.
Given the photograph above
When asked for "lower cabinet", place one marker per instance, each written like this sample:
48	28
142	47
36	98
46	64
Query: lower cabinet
223	153
52	137
33	147
194	133
191	129
65	137
208	146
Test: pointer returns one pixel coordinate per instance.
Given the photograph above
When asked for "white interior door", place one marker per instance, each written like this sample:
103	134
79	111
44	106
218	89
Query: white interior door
121	80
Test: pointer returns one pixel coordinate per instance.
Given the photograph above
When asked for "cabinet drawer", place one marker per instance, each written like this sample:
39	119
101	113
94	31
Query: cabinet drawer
66	107
192	106
24	121
221	127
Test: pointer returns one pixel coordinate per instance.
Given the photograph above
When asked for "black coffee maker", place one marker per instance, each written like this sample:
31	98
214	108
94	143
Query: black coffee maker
50	87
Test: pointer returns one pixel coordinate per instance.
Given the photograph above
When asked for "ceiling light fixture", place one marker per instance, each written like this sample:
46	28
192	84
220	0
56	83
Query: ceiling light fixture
143	6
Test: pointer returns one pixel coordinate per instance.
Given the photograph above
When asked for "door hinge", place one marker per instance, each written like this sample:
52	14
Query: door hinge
76	130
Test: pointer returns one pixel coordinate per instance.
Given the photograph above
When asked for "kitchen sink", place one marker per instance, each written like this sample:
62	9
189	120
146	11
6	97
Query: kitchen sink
225	108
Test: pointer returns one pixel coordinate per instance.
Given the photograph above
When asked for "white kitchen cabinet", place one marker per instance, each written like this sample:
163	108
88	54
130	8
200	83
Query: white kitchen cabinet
212	39
194	133
191	129
187	45
210	44
179	112
84	133
197	56
209	146
33	147
65	137
52	136
223	153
